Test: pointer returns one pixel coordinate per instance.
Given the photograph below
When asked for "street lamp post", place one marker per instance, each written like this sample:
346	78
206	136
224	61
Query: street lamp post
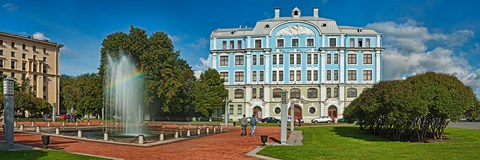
225	115
8	110
284	111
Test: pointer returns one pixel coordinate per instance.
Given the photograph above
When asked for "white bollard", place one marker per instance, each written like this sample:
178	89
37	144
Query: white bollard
141	139
57	131
79	135
198	132
22	127
214	130
105	136
162	137
63	123
176	134
33	124
14	124
76	123
37	129
221	129
208	130
188	133
48	124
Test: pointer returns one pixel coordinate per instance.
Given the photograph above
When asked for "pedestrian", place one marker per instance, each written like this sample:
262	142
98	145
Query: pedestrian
299	121
243	122
253	123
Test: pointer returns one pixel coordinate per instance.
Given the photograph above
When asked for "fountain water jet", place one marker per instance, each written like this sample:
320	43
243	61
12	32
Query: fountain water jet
123	95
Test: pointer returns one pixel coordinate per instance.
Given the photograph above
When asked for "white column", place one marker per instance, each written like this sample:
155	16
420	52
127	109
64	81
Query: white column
323	40
266	95
248	73
341	96
342	40
322	109
248	93
377	67
342	70
214	43
248	42
267	68
378	40
267	42
323	62
214	60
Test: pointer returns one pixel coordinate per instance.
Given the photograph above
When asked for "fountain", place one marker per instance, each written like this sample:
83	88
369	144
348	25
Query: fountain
123	96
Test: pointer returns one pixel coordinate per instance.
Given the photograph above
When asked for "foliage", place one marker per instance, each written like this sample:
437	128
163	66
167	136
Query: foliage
209	92
417	108
349	142
82	93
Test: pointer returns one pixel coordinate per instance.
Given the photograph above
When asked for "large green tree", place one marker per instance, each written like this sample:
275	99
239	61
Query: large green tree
209	93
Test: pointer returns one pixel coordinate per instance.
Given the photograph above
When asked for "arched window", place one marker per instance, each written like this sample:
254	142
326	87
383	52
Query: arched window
351	93
277	93
295	93
239	93
312	93
329	92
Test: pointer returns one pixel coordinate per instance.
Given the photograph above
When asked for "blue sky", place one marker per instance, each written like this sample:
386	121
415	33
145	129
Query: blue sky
427	35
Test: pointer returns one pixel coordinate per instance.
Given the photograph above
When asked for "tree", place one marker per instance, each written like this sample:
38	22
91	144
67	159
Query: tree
209	92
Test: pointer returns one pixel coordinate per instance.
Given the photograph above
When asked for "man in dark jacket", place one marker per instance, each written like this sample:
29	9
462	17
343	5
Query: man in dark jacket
243	122
253	123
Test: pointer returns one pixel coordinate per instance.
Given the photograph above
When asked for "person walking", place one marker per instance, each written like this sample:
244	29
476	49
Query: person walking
243	122
253	123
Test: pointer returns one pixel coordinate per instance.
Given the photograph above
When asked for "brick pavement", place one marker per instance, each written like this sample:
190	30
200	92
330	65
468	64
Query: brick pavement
228	145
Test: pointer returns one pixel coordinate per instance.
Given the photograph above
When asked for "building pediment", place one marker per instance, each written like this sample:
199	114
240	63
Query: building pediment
295	30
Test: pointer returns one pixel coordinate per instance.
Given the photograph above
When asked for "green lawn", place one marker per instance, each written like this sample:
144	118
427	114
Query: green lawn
42	154
351	143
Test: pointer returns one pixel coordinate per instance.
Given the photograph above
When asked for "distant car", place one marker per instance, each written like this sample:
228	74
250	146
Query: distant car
296	120
270	120
321	119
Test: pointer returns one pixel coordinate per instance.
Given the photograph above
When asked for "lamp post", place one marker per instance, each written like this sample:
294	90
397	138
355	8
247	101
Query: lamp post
283	128
225	115
8	109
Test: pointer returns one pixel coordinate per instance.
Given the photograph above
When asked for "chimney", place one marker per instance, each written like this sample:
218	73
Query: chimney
315	12
277	13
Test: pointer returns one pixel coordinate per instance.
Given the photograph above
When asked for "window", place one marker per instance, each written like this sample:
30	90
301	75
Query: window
224	44
295	93
261	76
299	75
312	93
352	42
1	44
232	44
329	92
239	110
12	44
12	74
274	76
12	64
24	66
254	93
351	93
367	75
261	59
254	76
335	75
44	89
239	76
315	58
280	43
280	75
44	50
312	110
223	60
24	56
224	76
1	52
367	42
239	93
239	60
277	93
310	42
295	42
329	58
315	75
34	67
292	58
258	43
230	109
360	42
299	59
333	42
261	93
254	60
292	75
44	68
309	72
329	75
280	58
335	92
24	47
335	58
34	48
367	59
13	54
24	76
274	59
239	44
278	110
352	75
352	59
1	64
309	58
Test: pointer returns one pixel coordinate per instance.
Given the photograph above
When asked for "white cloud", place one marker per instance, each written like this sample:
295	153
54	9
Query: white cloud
9	6
66	52
411	48
198	44
200	68
40	36
173	38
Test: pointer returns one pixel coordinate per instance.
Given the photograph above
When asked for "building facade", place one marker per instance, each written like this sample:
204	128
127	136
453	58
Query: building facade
324	67
38	60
